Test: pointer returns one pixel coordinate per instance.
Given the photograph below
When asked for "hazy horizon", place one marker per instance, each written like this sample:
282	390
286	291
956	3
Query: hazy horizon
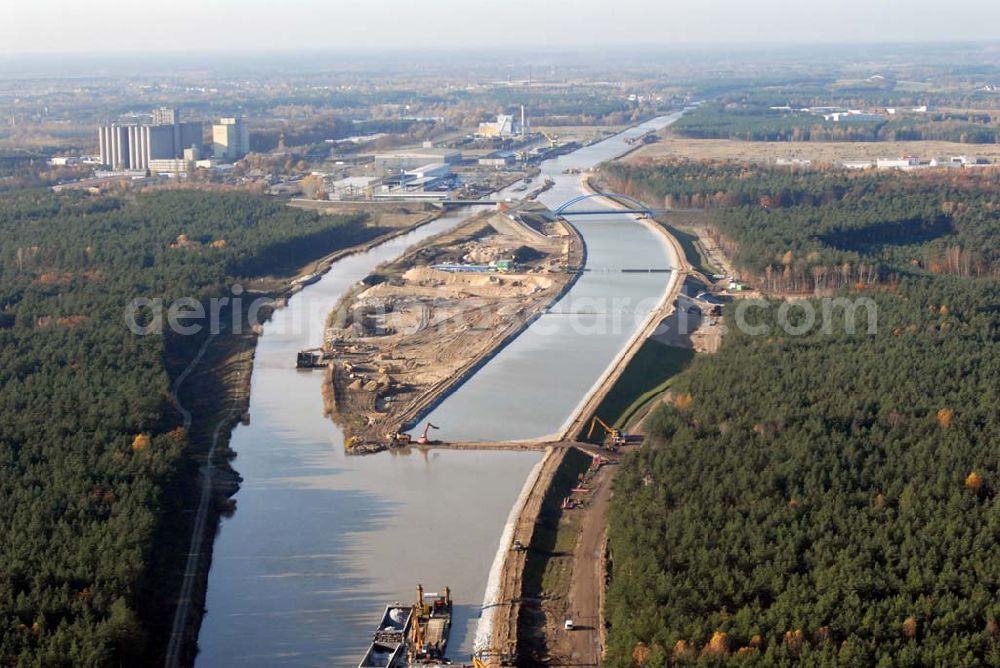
119	26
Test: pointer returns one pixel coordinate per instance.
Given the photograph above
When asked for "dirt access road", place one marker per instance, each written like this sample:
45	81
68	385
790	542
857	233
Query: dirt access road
587	583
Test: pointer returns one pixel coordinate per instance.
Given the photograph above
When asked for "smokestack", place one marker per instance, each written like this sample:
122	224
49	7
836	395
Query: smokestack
524	130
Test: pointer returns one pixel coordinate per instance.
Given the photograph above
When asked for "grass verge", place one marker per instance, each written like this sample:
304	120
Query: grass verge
649	372
693	251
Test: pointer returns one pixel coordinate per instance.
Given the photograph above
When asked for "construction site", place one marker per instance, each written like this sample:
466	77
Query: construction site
415	328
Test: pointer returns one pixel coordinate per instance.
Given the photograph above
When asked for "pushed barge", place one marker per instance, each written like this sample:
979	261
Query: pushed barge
413	636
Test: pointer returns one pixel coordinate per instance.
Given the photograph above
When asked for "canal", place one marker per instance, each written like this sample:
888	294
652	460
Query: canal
320	541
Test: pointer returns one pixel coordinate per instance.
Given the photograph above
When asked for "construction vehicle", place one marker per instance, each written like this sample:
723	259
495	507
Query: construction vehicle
598	461
398	439
614	438
423	440
430	627
553	138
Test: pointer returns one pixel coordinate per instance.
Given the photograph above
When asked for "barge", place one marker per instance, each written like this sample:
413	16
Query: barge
412	636
388	648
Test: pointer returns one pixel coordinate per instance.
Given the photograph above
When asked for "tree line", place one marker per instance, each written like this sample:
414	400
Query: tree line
792	230
758	121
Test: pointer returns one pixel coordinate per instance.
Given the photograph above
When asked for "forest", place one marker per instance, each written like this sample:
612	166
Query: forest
826	499
797	230
90	443
754	120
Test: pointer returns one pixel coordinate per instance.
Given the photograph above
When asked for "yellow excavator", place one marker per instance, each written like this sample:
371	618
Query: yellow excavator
398	439
429	626
615	437
553	138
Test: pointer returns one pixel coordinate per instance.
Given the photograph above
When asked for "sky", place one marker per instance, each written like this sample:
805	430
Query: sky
108	26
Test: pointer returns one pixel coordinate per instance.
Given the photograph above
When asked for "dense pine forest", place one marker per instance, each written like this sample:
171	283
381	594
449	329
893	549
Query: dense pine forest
822	499
829	498
89	440
798	230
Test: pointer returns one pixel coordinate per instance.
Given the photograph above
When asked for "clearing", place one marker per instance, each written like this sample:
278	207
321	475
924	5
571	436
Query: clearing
818	152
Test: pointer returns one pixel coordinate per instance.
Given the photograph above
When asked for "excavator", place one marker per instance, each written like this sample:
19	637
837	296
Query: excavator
422	439
615	438
553	138
398	439
430	626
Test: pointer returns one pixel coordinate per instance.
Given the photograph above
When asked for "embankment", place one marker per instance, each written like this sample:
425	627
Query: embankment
550	480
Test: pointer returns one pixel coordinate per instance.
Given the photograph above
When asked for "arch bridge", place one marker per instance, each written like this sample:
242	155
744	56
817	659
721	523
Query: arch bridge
634	206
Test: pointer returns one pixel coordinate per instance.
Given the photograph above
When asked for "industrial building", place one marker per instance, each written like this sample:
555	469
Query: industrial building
432	170
425	177
182	165
134	146
852	116
498	159
355	187
166	116
410	159
230	139
505	127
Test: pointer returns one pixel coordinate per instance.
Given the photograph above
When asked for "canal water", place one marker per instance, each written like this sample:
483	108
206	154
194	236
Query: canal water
320	541
532	387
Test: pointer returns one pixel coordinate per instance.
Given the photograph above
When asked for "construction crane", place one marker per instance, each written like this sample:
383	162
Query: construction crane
615	437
